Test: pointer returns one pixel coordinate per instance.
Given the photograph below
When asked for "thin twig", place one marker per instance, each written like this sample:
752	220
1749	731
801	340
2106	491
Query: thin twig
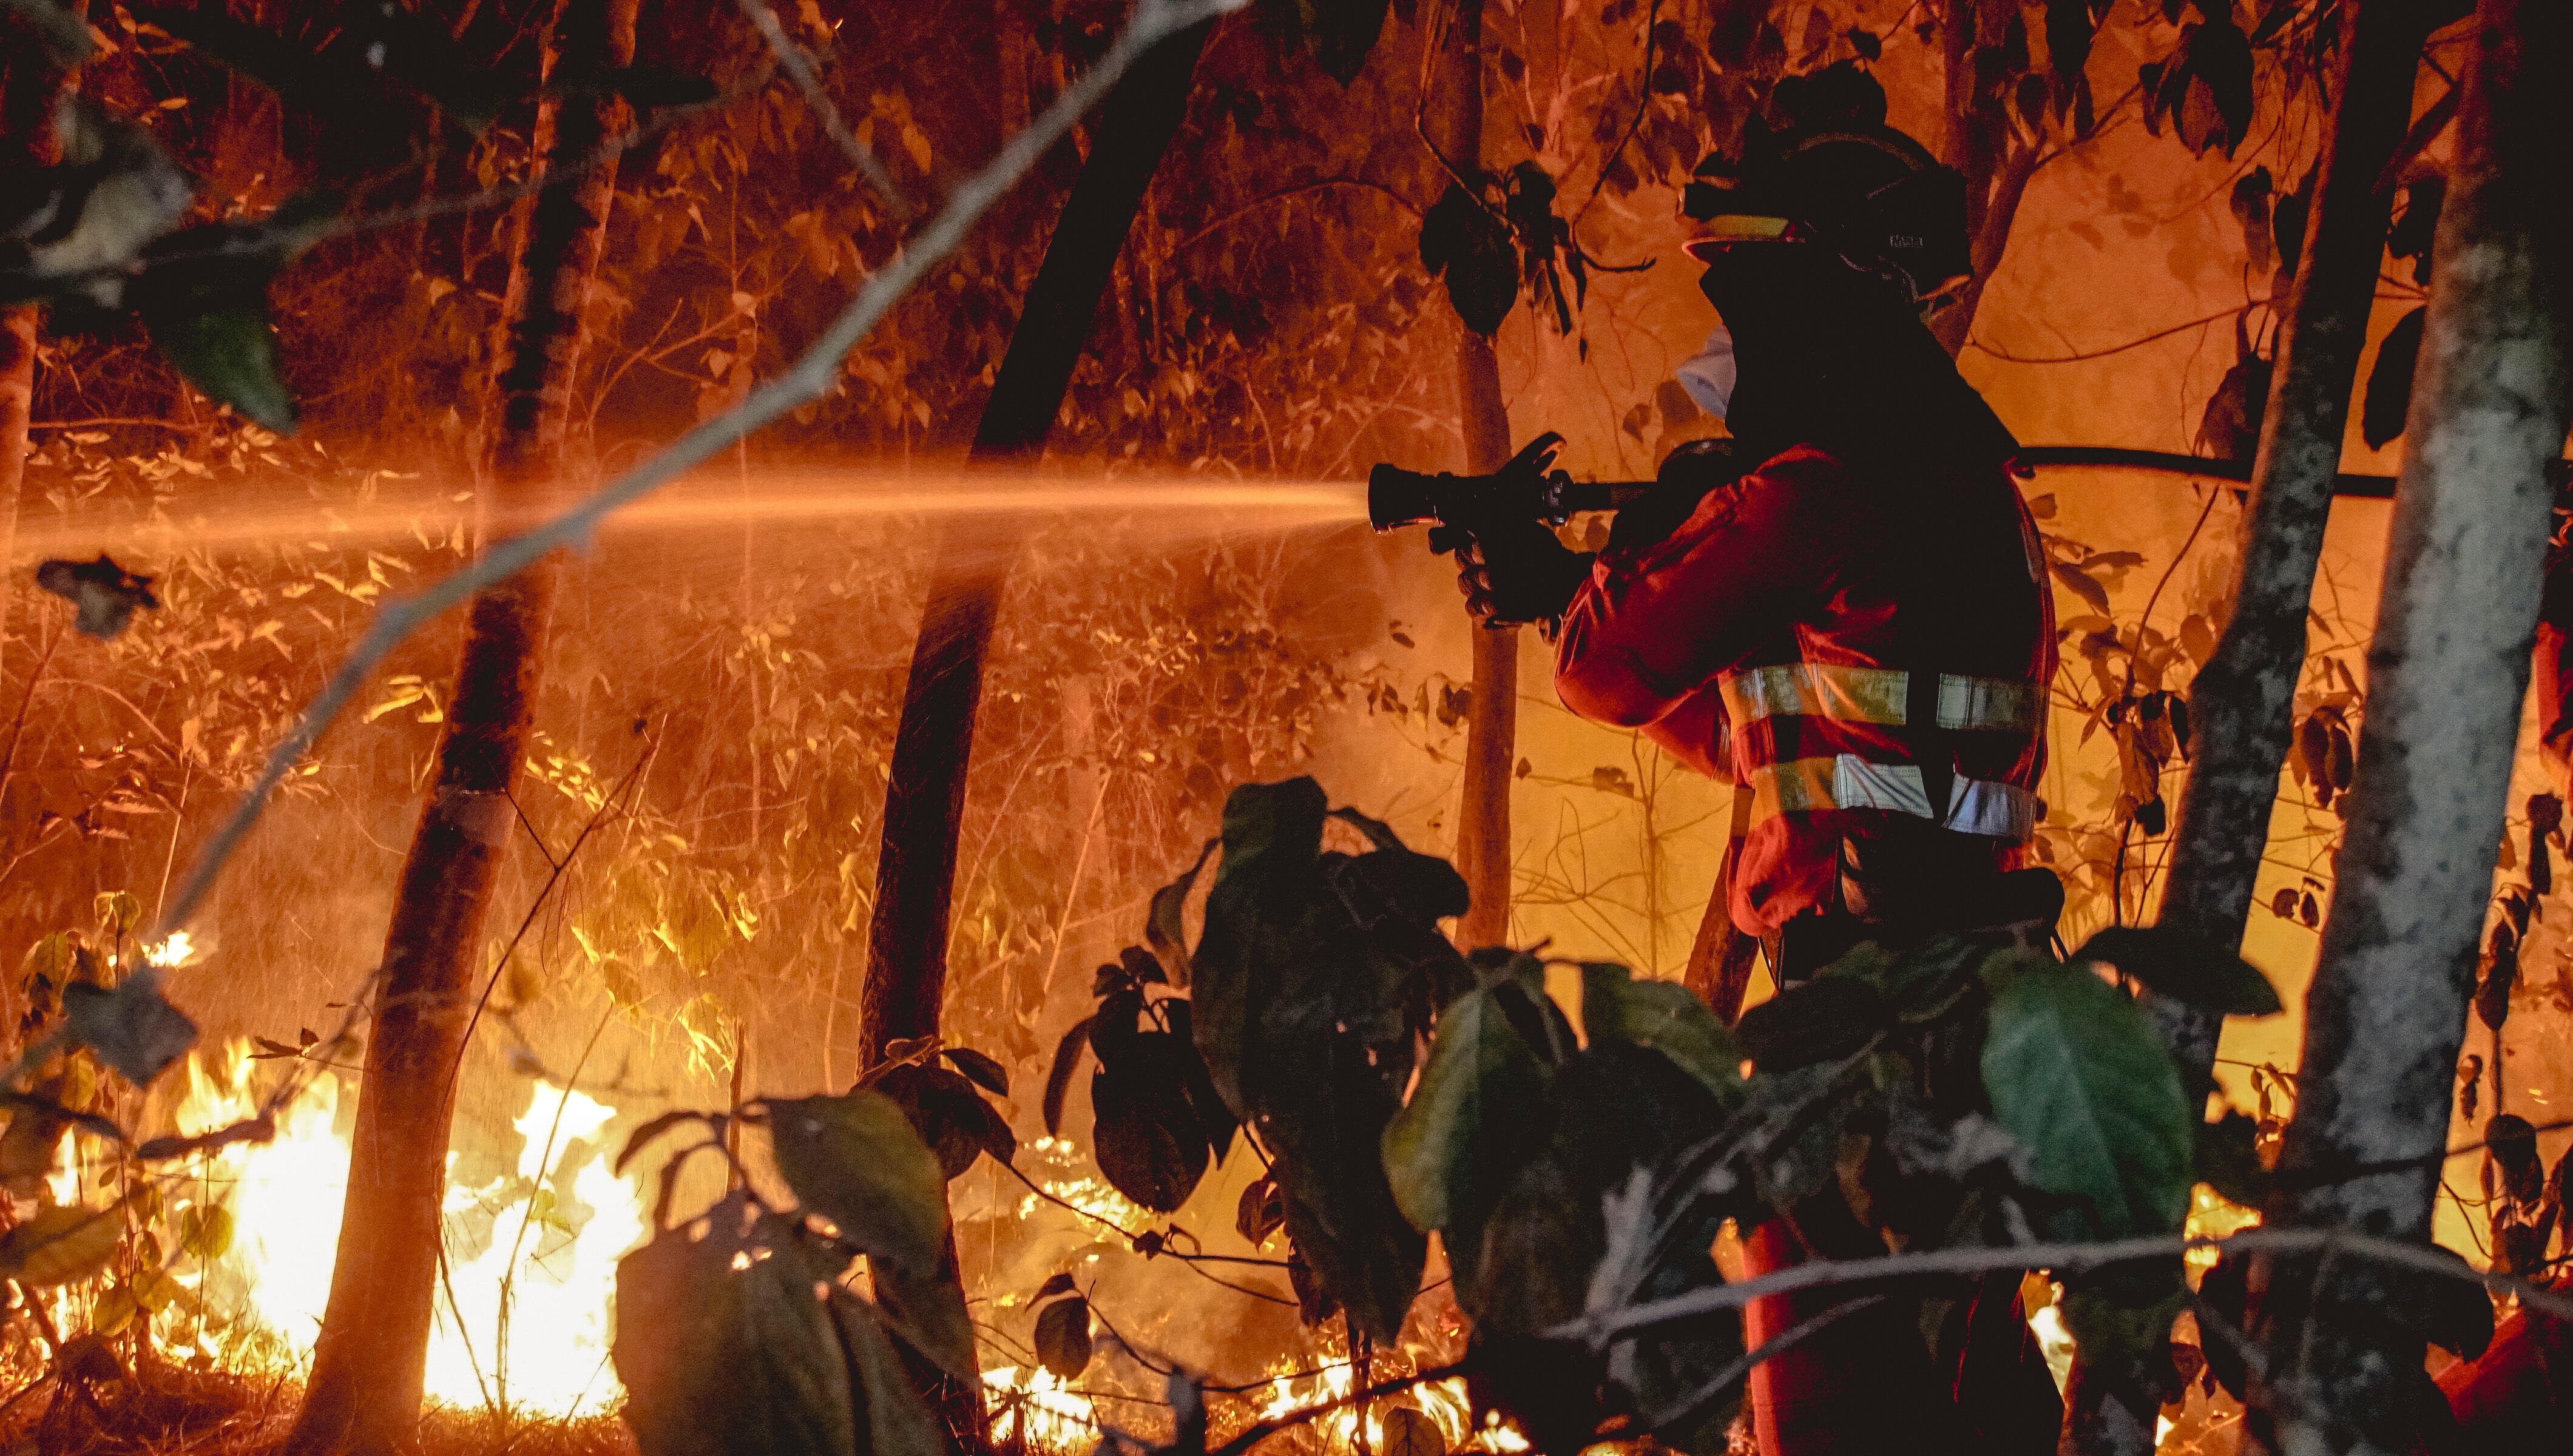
799	67
809	379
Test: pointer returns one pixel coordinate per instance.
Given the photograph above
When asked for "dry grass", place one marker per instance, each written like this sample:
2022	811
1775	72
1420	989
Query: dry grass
160	1409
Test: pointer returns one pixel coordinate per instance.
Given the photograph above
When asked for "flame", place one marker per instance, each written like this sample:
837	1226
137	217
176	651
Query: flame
1443	1401
172	952
2211	1216
1037	1406
524	1310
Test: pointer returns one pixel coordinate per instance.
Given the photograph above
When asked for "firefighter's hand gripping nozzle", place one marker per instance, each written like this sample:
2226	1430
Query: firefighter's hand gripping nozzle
1528	488
1509	564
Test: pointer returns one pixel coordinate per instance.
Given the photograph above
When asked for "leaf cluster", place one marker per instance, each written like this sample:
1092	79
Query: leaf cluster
740	1329
1967	1092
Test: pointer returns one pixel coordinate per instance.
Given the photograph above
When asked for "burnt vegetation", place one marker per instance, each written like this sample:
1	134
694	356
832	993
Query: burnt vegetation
867	962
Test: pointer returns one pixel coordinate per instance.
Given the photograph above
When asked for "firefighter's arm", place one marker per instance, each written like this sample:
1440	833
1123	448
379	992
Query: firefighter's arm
1649	630
1696	732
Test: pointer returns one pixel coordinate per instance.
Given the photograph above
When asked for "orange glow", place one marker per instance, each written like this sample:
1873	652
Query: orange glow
524	1316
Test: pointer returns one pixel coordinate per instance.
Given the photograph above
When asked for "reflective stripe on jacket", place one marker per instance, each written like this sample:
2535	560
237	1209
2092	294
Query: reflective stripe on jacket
1769	641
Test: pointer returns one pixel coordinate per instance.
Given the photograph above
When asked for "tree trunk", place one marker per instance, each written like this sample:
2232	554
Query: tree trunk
2447	672
2242	705
369	1365
1978	144
1493	709
906	985
925	800
17	399
30	83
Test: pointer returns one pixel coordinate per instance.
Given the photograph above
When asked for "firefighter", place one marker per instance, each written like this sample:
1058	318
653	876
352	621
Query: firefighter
1857	633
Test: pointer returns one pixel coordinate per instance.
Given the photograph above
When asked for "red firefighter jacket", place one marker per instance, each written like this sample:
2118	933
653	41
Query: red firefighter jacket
1772	640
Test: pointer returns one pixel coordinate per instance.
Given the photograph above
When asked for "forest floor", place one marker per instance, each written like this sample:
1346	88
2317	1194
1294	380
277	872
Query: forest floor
160	1409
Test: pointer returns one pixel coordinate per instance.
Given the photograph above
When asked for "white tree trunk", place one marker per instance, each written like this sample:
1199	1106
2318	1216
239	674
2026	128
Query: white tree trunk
2447	671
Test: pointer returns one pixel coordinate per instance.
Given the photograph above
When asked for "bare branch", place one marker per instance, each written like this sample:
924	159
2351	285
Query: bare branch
1609	1326
807	380
799	66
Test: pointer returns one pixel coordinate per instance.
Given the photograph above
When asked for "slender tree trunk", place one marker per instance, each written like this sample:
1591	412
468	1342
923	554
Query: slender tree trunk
2243	702
30	83
907	933
1978	142
1492	711
17	401
2447	672
369	1365
925	801
2242	705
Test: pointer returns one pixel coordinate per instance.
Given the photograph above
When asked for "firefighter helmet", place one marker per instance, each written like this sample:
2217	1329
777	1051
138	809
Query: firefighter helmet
1836	175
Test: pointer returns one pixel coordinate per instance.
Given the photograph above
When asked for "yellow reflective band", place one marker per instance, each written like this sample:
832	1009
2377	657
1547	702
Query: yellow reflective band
1741	227
1846	781
1874	695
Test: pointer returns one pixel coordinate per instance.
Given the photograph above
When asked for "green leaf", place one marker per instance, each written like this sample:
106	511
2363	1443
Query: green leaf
1272	834
229	352
721	1360
898	1421
206	1230
2184	968
1445	1152
929	1313
1666	1017
60	1244
2075	1071
855	1159
1821	1020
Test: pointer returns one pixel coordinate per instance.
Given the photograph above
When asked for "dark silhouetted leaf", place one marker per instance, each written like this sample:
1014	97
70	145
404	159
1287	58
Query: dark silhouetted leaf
855	1159
1482	1089
103	594
718	1360
2389	382
1259	1213
898	1421
948	1114
1145	1138
2184	968
1664	1017
228	352
1067	1060
1062	1337
2228	1162
1821	1020
979	1069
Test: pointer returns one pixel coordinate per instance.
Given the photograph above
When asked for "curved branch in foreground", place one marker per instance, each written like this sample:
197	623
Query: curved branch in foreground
807	380
1607	1326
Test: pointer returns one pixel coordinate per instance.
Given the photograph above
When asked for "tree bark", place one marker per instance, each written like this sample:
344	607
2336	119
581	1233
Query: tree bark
17	402
30	83
1978	144
2447	672
906	984
2242	705
368	1364
1493	709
